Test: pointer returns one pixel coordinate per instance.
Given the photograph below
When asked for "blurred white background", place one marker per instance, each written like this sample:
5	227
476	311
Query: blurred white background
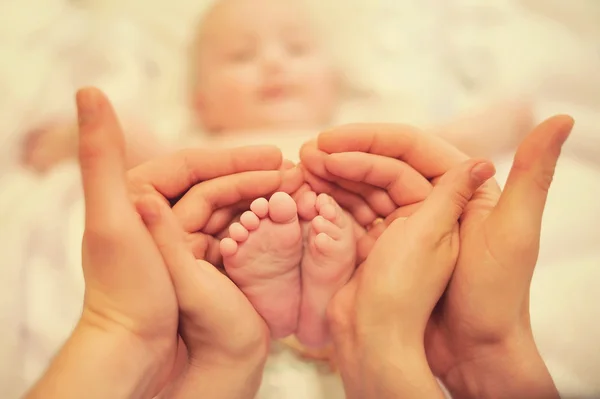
424	61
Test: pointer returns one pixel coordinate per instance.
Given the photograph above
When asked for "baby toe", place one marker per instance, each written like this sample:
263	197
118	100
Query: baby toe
228	247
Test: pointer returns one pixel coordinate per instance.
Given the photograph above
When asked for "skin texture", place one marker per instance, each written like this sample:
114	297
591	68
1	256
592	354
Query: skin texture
404	275
470	341
143	289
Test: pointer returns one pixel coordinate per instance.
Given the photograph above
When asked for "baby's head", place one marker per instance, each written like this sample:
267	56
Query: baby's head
259	64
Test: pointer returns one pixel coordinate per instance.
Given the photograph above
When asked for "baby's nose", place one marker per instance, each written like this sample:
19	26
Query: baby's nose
273	59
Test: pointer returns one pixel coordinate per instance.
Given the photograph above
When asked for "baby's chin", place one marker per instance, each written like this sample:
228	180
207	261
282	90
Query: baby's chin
283	116
291	115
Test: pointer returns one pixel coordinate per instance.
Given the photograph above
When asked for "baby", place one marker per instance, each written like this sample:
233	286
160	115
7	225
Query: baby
257	64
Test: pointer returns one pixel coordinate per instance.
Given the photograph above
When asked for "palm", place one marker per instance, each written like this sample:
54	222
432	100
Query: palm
232	308
472	312
137	294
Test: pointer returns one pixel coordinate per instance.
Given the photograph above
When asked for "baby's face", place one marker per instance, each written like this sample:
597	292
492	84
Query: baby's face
260	65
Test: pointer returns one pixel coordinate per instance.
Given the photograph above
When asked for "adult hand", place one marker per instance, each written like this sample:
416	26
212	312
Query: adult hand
129	294
227	341
404	275
479	339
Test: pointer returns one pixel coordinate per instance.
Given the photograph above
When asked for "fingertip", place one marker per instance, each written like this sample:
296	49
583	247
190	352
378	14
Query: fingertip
482	171
311	144
276	154
553	131
565	124
313	159
291	179
89	101
287	164
253	157
271	152
149	209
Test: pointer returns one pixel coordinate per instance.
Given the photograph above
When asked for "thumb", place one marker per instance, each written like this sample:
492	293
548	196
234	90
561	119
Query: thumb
199	286
444	206
524	196
101	156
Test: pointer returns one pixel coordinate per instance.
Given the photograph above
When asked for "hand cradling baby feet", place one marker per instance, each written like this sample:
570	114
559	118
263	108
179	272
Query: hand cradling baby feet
290	258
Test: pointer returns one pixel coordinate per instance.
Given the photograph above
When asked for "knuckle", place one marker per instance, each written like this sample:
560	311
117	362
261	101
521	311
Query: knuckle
137	186
90	150
541	177
190	170
543	180
460	198
524	244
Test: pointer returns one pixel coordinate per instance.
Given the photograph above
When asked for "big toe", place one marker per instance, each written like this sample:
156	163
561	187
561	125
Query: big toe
282	208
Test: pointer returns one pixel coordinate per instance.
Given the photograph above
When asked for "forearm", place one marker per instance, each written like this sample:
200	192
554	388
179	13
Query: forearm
220	380
96	364
522	376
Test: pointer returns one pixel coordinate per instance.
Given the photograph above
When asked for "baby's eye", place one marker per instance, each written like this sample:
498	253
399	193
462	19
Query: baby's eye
298	48
241	55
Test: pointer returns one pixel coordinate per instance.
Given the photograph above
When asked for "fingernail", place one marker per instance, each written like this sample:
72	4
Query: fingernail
565	130
88	101
483	171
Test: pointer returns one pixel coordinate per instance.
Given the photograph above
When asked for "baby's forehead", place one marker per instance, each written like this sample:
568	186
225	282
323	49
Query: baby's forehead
228	18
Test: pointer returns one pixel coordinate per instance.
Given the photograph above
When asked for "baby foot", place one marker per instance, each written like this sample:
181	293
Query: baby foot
262	256
328	262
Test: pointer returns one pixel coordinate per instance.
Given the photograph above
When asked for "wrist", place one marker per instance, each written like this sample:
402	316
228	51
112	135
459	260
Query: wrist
220	377
399	371
504	372
96	363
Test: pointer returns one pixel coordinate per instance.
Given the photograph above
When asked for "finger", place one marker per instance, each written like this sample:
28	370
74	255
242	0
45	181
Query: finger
404	185
365	244
176	173
222	218
313	160
440	212
426	153
194	282
197	206
205	246
101	158
287	164
524	197
377	198
291	180
351	202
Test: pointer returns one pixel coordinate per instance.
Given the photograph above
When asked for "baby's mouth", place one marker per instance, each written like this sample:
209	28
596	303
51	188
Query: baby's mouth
275	92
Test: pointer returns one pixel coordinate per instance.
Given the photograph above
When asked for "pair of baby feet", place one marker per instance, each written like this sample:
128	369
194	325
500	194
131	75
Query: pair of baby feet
289	258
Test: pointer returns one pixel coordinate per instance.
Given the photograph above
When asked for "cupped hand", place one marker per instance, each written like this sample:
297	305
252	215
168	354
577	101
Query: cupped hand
379	318
129	290
482	323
